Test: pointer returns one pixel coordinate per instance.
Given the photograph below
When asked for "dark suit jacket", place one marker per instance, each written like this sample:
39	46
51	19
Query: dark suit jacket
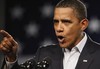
90	53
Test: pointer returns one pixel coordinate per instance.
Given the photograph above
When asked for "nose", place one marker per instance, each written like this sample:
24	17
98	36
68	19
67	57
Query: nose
60	28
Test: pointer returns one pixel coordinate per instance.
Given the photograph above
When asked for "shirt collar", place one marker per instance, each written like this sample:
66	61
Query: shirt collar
82	43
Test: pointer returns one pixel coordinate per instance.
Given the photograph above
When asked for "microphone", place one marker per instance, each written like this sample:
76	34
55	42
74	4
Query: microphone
44	64
31	64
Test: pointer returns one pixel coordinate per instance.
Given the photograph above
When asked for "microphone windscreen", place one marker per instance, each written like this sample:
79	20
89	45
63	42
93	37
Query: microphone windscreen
29	64
47	59
46	62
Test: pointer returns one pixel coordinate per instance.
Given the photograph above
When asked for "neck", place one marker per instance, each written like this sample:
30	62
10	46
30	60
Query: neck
76	41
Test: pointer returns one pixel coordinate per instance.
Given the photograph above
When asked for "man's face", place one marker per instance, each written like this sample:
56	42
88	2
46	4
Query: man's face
67	27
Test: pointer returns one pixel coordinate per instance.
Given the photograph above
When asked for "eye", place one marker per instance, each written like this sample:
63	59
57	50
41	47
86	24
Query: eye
66	21
55	21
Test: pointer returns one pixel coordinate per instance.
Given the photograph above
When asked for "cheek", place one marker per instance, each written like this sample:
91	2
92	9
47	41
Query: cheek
55	26
72	30
68	29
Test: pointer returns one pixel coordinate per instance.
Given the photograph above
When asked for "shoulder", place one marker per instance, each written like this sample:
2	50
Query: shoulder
94	42
49	46
48	50
93	45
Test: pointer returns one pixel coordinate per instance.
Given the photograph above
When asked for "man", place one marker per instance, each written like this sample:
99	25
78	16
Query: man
75	50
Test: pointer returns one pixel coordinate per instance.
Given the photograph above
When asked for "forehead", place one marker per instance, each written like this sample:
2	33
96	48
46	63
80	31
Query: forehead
62	9
64	12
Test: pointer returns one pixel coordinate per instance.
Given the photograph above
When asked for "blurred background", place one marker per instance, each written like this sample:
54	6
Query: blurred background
30	23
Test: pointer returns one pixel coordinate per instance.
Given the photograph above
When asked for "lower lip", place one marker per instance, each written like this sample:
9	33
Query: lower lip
61	40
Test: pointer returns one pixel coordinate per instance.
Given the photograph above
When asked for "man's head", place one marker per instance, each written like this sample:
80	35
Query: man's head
70	20
76	5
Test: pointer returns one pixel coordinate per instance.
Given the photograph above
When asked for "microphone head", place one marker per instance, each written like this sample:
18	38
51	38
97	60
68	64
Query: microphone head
29	64
46	62
47	59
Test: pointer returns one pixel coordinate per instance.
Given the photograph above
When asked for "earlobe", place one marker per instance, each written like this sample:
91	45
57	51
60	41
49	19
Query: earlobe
84	24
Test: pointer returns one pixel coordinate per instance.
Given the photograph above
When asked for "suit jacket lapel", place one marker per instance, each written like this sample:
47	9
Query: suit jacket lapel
58	59
85	58
61	64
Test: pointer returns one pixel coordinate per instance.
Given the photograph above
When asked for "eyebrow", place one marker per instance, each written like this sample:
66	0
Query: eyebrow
62	20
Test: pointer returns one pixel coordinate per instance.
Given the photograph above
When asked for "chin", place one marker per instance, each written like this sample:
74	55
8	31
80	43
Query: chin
63	45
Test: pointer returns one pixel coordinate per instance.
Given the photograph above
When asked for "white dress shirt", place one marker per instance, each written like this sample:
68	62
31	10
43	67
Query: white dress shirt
71	57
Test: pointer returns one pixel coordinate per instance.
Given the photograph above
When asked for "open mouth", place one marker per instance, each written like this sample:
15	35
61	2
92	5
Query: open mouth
60	38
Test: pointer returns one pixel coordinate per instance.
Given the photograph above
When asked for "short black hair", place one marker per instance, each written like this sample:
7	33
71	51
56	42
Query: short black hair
77	5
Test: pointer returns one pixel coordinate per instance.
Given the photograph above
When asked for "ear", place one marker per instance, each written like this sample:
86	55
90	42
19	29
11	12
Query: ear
84	24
